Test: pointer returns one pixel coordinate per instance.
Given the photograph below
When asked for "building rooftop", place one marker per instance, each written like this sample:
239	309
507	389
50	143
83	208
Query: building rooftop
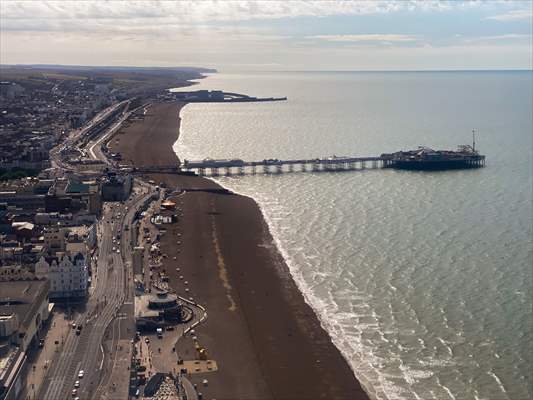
22	298
77	188
151	305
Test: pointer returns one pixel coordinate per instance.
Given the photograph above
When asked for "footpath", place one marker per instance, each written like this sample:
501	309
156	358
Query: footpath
39	362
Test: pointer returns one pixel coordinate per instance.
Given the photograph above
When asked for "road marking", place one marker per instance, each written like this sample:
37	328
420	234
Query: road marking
102	350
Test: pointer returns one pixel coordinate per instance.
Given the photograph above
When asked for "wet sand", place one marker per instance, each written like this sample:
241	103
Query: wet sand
267	341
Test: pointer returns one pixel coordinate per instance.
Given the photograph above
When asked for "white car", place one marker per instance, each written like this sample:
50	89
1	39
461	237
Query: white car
77	384
81	373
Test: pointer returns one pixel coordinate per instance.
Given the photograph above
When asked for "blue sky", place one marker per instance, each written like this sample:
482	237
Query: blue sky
271	35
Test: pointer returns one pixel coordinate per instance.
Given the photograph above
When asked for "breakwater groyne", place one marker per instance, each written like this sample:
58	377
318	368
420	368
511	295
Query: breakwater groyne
219	96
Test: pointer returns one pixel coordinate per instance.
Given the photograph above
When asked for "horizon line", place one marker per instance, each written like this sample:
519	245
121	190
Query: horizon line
410	70
272	70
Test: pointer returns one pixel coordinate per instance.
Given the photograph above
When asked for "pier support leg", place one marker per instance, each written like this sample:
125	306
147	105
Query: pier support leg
291	168
279	169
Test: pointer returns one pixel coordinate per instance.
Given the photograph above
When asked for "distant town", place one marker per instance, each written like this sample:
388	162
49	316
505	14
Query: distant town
76	231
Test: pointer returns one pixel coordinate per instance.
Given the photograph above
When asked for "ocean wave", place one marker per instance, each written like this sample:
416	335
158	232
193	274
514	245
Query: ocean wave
367	375
410	275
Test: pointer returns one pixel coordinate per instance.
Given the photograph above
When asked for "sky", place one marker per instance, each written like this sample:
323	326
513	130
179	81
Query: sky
270	35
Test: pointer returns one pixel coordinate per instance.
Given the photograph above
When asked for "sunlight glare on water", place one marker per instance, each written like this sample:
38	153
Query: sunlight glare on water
423	279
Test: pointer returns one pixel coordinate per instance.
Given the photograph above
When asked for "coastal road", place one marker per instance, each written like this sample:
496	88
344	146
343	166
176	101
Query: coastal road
111	285
75	135
122	327
98	311
83	352
95	146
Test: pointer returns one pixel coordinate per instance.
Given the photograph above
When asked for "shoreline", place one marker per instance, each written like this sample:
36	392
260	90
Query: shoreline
281	339
308	297
297	278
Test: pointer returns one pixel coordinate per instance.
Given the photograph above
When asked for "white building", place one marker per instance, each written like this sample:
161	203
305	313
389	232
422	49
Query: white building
66	263
67	272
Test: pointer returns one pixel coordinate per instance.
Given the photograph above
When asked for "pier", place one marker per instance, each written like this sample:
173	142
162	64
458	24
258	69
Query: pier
227	167
275	166
423	160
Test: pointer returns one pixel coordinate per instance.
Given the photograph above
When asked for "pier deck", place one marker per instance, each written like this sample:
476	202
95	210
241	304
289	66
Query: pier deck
241	167
219	167
421	159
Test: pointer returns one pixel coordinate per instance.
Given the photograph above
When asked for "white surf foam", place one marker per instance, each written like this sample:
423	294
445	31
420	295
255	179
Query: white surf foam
360	358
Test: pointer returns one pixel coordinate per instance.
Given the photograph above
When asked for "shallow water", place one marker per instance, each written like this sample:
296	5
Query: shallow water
423	279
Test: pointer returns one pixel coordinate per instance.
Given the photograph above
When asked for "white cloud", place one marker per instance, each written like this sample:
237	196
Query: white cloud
375	37
209	32
513	15
505	38
190	12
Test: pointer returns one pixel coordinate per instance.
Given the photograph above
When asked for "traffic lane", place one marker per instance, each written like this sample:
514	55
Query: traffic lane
94	328
124	329
106	289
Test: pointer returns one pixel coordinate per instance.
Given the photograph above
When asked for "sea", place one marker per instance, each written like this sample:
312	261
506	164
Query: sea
422	279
